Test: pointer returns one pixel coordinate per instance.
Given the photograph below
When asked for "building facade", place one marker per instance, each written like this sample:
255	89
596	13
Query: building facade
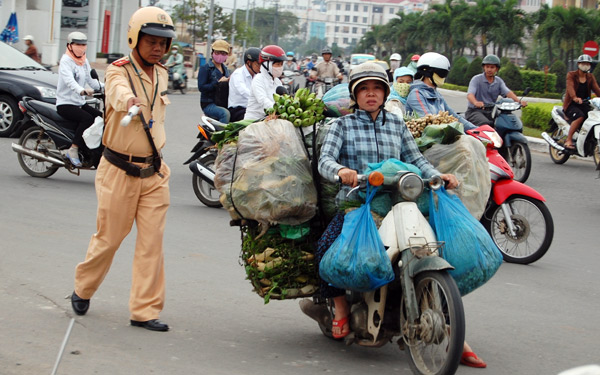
50	22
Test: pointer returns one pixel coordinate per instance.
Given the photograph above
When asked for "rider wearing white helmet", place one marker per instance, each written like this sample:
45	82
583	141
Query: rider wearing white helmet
369	135
423	97
73	76
31	48
580	84
395	60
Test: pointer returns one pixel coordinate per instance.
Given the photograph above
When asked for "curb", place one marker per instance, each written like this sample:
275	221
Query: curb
537	144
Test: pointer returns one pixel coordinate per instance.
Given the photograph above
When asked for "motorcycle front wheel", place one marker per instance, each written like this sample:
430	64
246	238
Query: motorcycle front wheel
206	193
437	344
534	229
597	154
36	139
557	156
520	161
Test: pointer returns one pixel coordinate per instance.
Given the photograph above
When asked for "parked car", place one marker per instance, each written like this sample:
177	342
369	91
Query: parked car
21	76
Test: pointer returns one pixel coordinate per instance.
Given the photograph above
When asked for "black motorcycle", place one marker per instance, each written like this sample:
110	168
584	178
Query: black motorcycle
202	163
41	149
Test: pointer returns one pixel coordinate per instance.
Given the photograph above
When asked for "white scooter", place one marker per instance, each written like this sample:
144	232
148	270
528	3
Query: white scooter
586	139
422	307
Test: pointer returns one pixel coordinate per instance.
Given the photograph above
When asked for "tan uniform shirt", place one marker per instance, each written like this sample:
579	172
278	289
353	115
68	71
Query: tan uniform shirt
132	139
327	70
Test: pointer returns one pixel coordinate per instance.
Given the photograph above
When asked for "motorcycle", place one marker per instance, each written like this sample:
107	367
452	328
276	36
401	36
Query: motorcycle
515	148
177	81
41	149
202	162
422	307
528	233
586	139
322	85
289	81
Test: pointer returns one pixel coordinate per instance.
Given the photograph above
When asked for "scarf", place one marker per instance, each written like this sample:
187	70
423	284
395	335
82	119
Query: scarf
78	60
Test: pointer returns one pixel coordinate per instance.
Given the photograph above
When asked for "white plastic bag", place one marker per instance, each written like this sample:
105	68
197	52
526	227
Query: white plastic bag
93	135
466	159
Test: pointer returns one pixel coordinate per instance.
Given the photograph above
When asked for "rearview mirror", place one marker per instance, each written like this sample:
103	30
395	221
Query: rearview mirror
94	74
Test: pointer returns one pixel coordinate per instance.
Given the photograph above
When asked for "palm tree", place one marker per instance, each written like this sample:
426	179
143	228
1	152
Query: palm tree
483	19
510	27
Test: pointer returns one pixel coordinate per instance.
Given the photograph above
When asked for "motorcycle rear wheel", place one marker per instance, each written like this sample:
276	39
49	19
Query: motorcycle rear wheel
534	227
596	155
35	138
557	156
438	344
520	161
206	193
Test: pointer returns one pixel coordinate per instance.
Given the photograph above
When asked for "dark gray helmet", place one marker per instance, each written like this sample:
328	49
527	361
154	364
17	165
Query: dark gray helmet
251	54
326	50
491	60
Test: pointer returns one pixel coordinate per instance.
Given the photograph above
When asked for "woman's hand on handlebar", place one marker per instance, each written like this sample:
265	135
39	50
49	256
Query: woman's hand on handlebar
450	180
348	177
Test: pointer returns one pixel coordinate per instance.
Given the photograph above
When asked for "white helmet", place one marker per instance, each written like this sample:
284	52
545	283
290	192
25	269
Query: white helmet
365	72
28	37
395	56
432	62
77	37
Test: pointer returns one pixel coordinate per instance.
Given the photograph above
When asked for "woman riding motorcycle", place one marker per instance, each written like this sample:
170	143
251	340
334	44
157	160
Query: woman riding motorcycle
423	97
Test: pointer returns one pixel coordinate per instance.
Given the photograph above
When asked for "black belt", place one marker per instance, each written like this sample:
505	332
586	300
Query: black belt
124	162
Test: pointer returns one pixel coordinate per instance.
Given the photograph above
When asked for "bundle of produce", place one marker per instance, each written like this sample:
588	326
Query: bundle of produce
337	100
278	267
303	109
229	133
416	125
466	159
266	175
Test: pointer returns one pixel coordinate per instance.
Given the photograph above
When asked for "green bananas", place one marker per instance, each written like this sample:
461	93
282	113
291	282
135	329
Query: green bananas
303	109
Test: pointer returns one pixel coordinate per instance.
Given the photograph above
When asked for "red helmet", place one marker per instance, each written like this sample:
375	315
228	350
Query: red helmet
272	53
415	58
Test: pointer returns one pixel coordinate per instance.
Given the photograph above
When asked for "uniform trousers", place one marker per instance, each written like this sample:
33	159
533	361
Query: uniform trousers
123	199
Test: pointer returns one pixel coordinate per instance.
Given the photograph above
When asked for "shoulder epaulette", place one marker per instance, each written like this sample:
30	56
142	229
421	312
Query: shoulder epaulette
122	61
162	66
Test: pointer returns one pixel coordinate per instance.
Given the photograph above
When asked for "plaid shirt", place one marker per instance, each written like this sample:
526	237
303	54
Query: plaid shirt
355	140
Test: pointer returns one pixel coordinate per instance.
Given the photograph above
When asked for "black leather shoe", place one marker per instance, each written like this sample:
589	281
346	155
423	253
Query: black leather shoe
80	305
152	325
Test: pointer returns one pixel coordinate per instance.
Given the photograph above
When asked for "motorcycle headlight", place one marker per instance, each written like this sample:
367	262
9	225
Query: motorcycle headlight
46	92
495	137
410	186
509	106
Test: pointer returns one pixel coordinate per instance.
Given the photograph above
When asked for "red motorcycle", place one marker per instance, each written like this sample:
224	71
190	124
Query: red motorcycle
515	216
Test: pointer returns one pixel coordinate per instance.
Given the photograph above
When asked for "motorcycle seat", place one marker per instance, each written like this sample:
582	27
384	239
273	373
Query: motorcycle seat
47	110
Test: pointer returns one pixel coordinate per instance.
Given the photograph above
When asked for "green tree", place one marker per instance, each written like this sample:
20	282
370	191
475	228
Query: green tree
560	69
509	29
484	19
511	76
531	64
458	72
473	69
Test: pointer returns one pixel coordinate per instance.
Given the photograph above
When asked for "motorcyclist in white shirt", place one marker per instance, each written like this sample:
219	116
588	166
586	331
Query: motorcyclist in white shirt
240	84
265	84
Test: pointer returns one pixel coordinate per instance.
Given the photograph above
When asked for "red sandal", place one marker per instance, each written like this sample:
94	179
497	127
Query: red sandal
339	324
465	359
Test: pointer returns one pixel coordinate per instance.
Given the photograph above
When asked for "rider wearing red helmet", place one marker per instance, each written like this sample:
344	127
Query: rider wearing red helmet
271	61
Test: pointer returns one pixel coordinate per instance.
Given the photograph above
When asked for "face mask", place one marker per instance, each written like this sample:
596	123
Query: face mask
402	88
394	65
78	50
439	81
219	58
276	71
584	67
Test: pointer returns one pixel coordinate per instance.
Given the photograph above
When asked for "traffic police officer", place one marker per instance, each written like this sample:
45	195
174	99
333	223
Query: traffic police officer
132	181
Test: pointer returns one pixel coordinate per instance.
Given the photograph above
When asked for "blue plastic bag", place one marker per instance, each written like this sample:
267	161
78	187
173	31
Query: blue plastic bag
357	259
469	248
